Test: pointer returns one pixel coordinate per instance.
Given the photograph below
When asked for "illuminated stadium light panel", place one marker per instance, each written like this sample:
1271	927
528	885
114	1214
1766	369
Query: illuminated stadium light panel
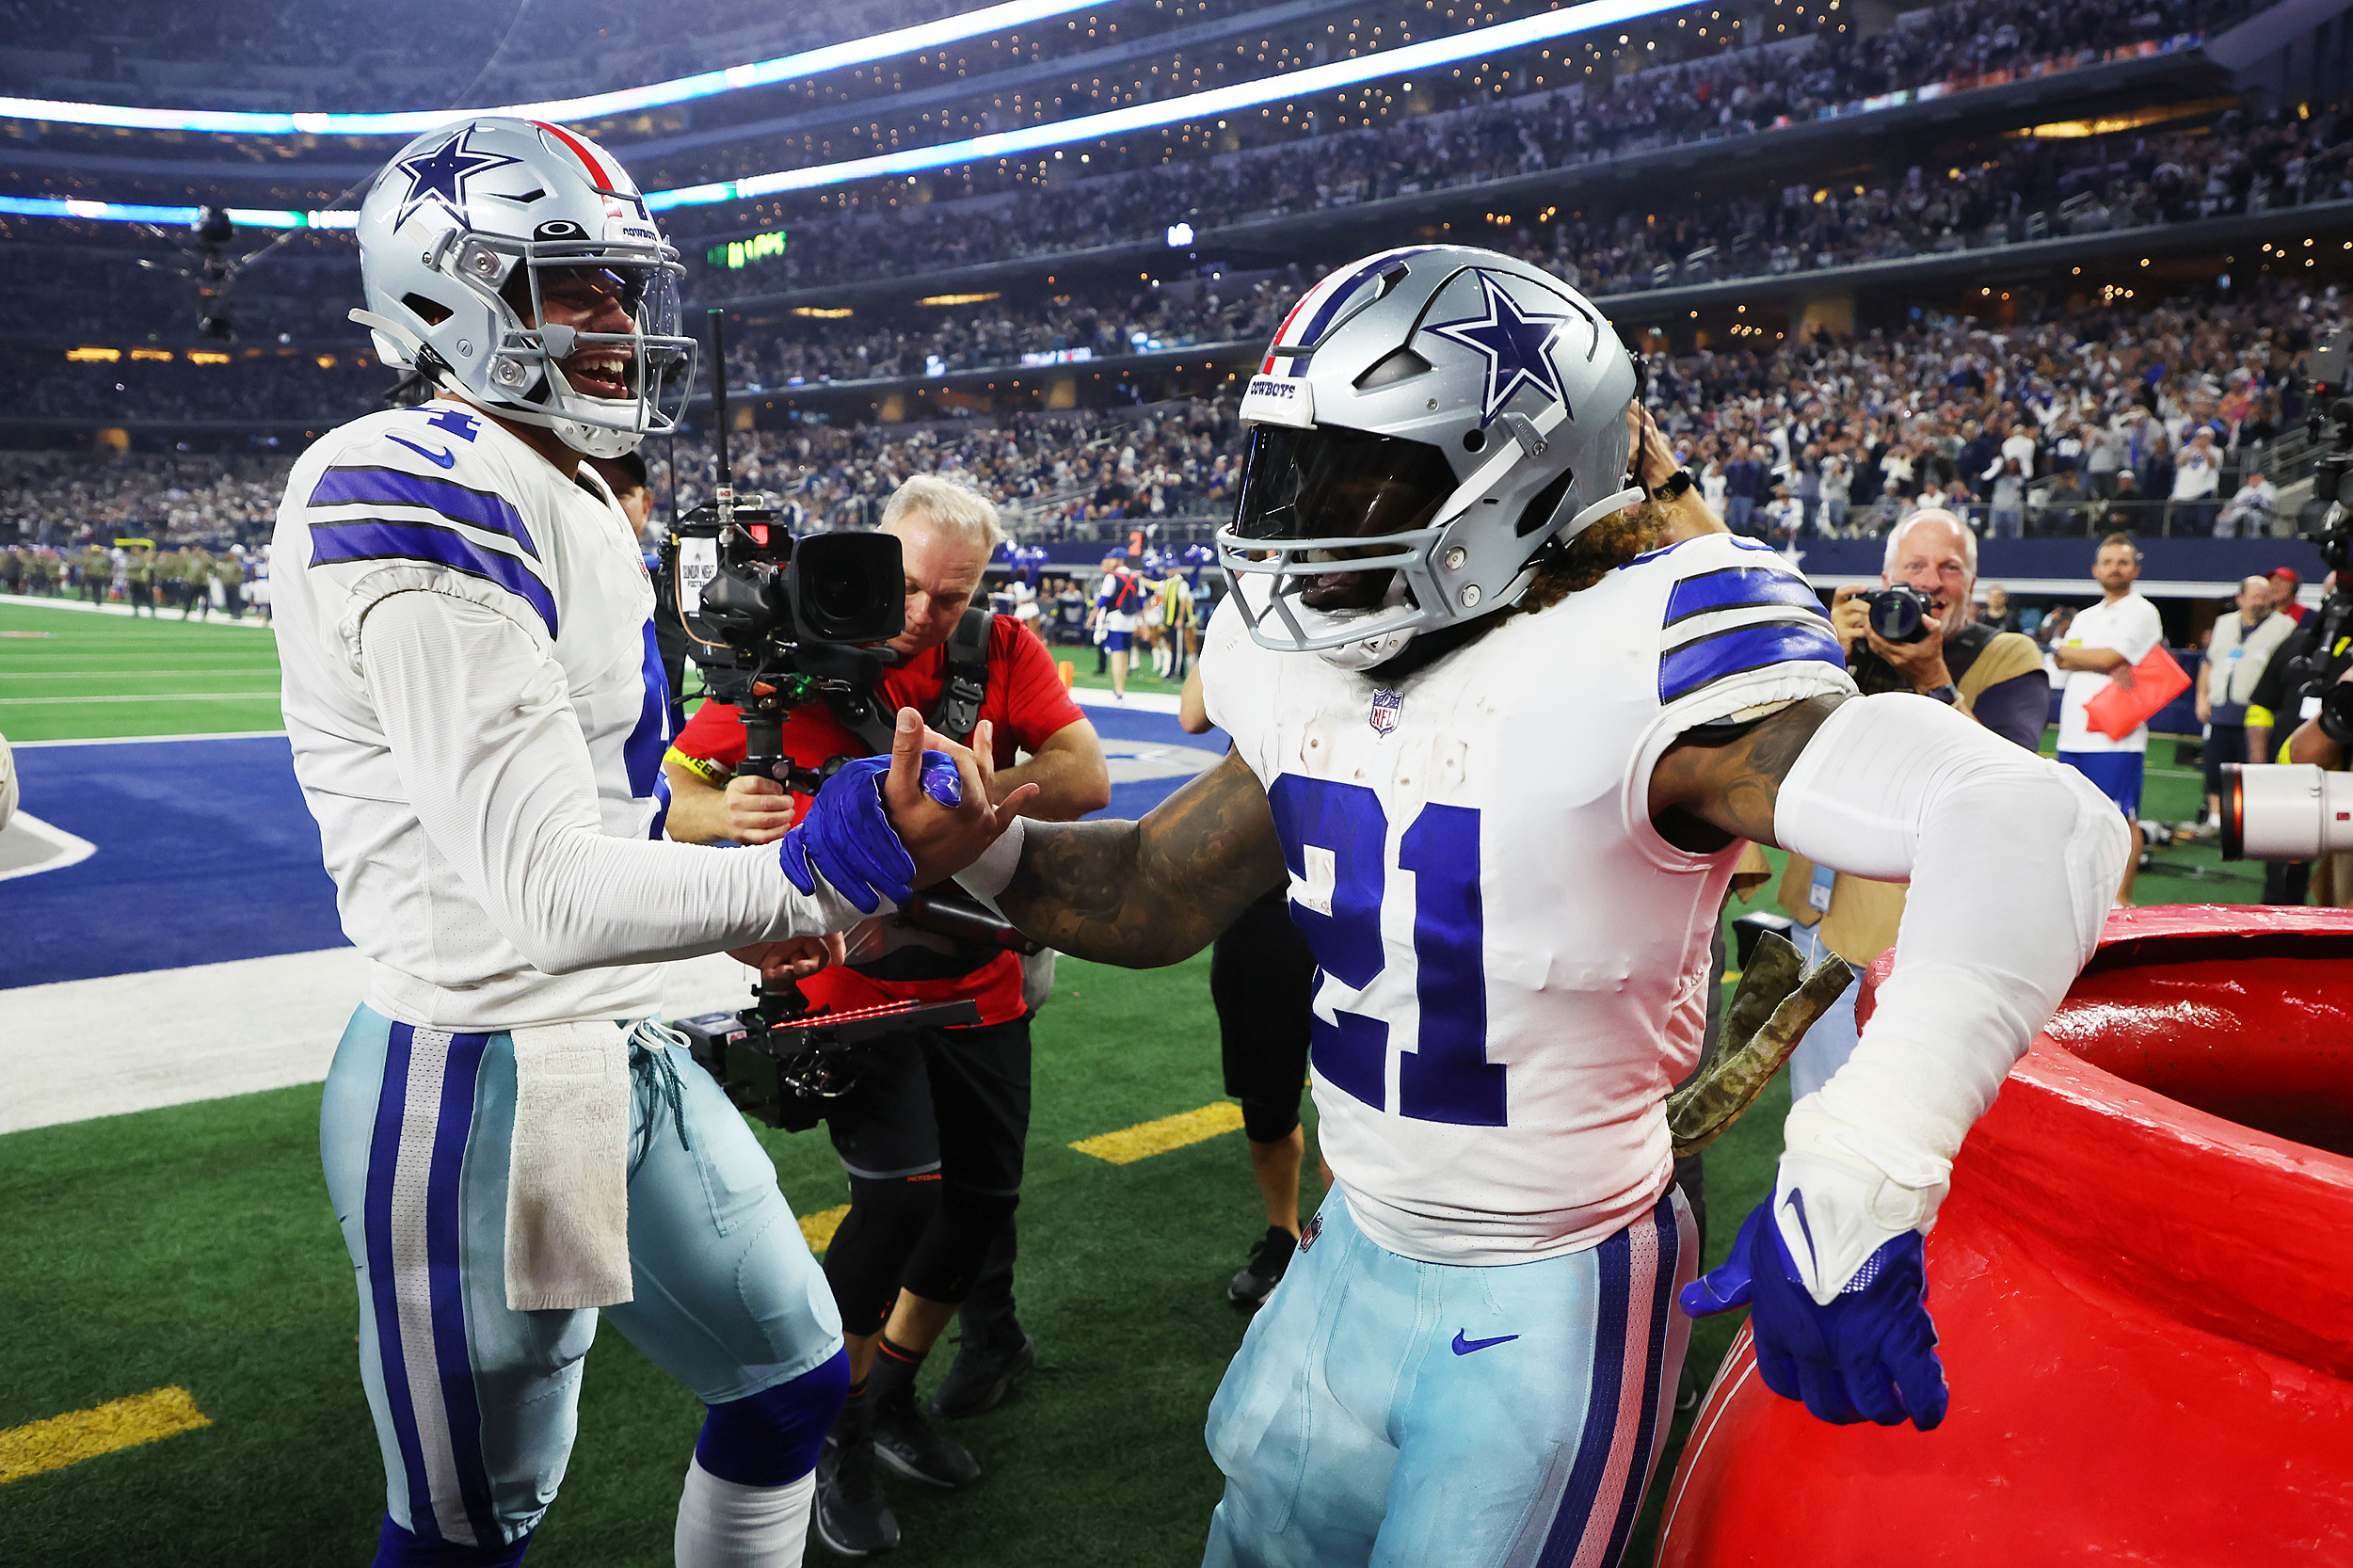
1288	87
595	105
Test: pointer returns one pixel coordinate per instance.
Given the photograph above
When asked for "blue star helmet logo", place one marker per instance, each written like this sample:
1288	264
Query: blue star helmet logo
438	178
1516	341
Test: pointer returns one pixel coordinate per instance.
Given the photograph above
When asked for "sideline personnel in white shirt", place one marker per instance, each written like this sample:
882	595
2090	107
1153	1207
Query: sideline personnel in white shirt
2103	644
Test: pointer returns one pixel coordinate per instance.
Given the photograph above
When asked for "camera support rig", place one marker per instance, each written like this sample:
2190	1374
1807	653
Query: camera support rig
785	1065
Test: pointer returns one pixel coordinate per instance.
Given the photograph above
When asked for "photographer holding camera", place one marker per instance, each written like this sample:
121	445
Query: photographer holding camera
931	1135
1914	634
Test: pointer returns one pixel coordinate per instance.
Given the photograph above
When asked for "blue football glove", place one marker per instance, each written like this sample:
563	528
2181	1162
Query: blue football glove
847	837
1869	1355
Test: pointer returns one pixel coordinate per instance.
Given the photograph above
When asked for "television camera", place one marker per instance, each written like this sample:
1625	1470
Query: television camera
775	622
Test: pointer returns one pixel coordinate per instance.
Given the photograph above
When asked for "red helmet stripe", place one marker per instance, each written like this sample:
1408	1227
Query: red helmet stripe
580	151
1267	369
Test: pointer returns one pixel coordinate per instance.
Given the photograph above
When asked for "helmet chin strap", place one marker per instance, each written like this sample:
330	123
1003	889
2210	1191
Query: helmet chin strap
1373	650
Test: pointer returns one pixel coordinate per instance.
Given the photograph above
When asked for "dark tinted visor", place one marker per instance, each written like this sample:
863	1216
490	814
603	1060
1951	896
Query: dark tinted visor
1330	483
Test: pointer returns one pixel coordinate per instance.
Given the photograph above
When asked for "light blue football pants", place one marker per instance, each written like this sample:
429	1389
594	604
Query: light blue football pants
475	1404
1408	1415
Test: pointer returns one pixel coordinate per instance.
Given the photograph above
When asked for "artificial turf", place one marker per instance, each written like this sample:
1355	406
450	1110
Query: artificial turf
81	675
194	1246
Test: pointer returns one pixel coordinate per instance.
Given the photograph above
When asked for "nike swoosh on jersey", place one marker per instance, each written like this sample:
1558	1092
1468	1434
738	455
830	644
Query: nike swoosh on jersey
445	457
1464	1347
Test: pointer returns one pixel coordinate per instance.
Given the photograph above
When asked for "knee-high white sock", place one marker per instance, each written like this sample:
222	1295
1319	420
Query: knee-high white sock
722	1524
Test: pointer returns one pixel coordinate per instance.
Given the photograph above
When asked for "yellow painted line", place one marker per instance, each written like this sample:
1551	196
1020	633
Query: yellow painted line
1129	1144
820	1227
62	1440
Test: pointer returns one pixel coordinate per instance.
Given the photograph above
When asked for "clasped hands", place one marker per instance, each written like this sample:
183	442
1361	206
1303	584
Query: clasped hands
935	796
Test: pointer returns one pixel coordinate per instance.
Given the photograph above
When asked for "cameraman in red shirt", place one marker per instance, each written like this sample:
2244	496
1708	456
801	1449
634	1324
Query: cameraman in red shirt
932	1134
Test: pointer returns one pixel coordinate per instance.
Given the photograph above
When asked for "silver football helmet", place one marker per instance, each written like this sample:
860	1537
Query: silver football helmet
1426	423
466	236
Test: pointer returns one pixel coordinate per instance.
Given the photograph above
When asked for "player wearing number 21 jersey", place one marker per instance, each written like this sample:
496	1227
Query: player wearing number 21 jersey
1500	720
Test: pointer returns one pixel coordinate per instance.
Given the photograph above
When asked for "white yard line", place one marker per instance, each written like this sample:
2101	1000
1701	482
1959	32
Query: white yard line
143	740
82	1048
269	695
218	617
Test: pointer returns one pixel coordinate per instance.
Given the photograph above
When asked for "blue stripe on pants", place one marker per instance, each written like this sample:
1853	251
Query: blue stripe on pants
1601	1411
1646	1440
462	1410
383	1159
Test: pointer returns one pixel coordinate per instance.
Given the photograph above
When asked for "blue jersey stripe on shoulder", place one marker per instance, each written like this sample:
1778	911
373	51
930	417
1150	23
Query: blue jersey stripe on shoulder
374	540
341	487
1737	587
1705	661
1734	540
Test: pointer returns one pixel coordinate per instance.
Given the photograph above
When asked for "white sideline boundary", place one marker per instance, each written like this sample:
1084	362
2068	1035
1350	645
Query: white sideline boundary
77	1049
84	607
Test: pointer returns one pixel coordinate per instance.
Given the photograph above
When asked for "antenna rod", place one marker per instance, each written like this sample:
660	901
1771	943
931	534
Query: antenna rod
724	496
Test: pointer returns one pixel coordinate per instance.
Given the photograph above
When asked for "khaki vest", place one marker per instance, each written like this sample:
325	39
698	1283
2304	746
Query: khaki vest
1864	914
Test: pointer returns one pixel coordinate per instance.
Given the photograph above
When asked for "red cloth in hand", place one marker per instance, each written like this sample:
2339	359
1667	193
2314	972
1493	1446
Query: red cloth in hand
2156	681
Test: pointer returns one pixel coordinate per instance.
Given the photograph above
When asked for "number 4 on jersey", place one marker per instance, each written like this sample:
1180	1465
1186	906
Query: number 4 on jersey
1443	1075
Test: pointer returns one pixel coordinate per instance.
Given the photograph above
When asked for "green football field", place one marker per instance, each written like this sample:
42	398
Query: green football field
194	1248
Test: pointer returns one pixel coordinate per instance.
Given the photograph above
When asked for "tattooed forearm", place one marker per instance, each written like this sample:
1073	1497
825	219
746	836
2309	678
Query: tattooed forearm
1147	893
1704	797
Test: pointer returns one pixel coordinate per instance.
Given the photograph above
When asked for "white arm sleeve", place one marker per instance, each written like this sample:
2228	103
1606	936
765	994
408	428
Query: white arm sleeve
2014	863
496	769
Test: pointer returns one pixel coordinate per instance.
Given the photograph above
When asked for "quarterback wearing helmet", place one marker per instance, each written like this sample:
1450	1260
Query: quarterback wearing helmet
1500	731
478	713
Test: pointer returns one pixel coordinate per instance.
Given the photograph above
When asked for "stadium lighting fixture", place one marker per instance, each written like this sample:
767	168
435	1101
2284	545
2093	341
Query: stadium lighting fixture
595	105
1288	87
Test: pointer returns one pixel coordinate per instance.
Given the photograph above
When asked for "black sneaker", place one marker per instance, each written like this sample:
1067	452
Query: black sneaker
1269	1260
907	1446
852	1518
983	1373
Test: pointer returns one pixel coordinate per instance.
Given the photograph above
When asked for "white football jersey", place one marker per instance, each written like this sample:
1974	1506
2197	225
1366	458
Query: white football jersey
439	498
1513	964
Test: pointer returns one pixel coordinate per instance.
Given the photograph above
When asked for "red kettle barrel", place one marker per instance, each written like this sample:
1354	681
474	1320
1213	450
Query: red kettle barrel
2143	1285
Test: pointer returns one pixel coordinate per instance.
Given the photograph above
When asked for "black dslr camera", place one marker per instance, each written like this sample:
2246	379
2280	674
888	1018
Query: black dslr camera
1900	614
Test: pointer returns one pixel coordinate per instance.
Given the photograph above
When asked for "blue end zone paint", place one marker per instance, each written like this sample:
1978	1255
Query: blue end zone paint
206	853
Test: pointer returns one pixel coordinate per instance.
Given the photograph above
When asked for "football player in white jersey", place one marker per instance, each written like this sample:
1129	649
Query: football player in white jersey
1501	736
478	714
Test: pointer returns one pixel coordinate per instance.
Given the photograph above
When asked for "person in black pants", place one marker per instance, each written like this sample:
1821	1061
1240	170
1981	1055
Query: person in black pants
1262	980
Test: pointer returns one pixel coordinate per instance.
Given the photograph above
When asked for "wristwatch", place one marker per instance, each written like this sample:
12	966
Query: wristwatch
1677	482
1947	693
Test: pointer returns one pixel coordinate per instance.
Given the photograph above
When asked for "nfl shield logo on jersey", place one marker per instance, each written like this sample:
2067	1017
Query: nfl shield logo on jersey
1384	709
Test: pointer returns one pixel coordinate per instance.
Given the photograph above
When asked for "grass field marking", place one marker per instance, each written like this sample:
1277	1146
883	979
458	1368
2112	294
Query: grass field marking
40	1446
143	740
269	695
1145	1139
117	674
819	1227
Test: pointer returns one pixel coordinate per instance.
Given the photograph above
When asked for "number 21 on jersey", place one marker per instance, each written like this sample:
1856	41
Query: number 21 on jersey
1335	835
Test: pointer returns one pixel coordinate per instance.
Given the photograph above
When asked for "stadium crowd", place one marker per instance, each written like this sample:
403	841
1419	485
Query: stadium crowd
1734	92
2160	419
2100	408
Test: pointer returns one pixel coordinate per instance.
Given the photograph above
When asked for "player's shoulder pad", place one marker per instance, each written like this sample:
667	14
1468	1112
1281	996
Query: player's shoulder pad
1734	613
421	487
